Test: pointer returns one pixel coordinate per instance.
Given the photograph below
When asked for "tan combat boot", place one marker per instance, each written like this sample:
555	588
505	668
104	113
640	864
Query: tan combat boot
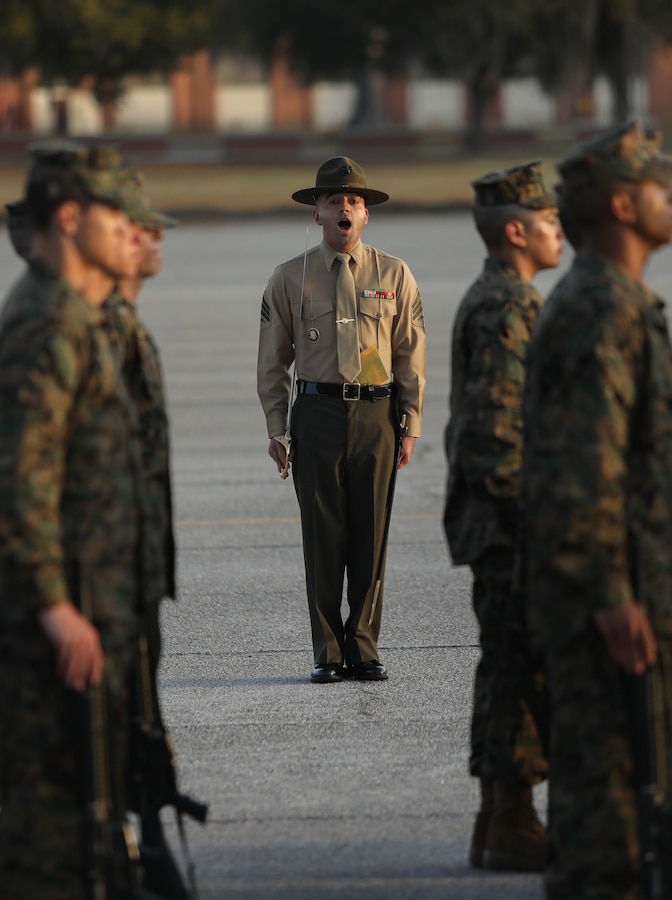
516	839
477	847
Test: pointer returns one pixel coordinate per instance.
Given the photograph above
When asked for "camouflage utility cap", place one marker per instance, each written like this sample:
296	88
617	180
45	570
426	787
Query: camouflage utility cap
522	185
140	212
629	152
93	169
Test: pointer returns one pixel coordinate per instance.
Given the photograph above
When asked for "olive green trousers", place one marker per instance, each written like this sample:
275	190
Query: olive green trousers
344	454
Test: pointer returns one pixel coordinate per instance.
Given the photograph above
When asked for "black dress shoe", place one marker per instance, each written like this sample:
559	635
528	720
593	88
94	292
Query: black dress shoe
327	673
373	670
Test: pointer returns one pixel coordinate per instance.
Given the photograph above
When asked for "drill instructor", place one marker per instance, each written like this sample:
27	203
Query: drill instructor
350	317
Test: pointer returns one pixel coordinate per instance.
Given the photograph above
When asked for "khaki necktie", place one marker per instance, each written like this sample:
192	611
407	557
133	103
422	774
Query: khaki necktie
347	334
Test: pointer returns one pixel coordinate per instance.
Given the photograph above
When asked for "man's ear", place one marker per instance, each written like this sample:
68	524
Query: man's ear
68	217
515	234
622	207
316	216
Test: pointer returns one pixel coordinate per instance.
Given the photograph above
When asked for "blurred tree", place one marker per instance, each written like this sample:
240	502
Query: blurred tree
565	43
481	41
104	40
354	41
581	39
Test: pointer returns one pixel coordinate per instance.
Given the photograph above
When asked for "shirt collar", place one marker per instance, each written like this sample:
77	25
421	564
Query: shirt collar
594	263
328	254
495	264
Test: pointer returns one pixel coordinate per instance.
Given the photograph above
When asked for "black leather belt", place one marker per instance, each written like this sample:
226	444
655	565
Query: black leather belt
346	391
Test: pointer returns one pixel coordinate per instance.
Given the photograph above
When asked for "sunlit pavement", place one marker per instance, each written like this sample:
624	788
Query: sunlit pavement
329	791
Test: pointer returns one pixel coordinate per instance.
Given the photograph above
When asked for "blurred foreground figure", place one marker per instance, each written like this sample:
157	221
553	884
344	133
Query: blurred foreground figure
153	783
517	218
596	495
69	520
138	358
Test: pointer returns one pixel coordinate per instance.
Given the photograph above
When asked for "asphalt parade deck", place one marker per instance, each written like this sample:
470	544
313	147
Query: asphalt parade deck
329	791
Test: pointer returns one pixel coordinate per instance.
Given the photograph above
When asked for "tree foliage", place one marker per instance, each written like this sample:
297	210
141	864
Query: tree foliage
479	41
321	41
565	43
102	39
577	41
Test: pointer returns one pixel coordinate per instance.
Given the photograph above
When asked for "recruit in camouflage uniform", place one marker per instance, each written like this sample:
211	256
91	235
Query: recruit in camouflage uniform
138	357
484	449
69	526
596	495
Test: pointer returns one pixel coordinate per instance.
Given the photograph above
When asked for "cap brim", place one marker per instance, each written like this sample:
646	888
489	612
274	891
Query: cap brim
309	195
659	169
155	220
147	217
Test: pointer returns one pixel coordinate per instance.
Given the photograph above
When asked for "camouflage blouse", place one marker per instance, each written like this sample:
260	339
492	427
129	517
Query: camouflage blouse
138	359
596	487
484	437
70	485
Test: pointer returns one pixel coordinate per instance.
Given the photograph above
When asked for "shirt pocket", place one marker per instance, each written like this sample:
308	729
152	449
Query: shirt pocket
317	328
377	308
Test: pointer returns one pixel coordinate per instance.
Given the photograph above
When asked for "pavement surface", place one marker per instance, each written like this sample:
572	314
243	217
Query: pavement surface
349	790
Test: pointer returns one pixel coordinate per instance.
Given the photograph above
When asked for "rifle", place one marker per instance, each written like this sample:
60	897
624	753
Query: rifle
111	849
153	785
646	709
112	857
654	811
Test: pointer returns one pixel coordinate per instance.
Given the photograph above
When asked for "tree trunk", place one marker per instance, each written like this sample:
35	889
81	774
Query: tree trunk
59	106
369	110
620	72
482	86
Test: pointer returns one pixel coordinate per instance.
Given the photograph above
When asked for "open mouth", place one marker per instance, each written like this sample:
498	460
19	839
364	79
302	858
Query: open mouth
344	226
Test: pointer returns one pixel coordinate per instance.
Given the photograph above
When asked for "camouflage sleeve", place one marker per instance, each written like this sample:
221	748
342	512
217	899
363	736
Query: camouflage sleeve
37	421
580	473
490	428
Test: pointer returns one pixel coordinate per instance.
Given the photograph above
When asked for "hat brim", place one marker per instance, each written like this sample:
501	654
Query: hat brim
309	195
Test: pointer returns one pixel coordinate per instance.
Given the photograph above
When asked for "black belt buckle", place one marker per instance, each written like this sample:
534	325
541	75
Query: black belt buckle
351	391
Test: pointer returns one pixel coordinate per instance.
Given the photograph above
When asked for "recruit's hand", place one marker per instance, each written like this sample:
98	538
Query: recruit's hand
78	649
406	452
628	635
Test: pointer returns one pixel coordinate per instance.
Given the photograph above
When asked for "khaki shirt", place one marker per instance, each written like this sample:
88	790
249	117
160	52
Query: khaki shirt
484	438
390	318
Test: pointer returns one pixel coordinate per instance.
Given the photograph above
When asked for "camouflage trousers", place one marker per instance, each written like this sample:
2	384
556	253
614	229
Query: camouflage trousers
42	830
593	831
506	743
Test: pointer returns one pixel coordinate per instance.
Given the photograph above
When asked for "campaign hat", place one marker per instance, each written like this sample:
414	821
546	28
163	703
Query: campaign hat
337	175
